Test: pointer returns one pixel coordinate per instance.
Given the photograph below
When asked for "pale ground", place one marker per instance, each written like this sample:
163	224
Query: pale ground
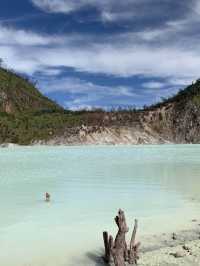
164	250
167	250
165	256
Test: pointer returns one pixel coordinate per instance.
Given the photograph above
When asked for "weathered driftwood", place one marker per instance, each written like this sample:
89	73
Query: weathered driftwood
134	247
107	245
118	249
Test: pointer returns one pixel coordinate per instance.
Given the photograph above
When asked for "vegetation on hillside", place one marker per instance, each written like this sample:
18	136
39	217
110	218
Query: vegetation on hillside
18	94
26	116
25	128
191	92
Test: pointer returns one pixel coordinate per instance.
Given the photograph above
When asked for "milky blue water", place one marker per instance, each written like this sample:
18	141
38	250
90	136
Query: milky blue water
159	185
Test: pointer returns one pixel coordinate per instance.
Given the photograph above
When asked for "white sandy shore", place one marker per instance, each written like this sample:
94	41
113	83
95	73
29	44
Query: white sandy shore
163	250
174	249
171	256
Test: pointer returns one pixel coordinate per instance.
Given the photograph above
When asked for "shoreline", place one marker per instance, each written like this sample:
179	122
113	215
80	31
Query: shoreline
174	256
165	250
13	145
187	254
179	248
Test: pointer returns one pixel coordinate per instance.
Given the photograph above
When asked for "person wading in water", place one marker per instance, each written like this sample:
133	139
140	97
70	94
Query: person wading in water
47	197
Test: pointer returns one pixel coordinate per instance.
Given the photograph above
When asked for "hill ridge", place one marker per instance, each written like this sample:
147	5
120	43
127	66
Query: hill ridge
28	117
18	94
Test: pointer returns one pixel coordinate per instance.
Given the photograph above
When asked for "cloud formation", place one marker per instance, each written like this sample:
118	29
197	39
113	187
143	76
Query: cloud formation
81	94
169	51
11	36
110	10
156	44
123	55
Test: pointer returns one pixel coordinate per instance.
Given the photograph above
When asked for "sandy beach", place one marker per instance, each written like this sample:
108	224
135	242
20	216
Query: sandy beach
187	254
181	248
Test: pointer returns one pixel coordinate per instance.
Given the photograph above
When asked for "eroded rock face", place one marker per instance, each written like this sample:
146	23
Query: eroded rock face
5	103
8	108
115	135
187	123
178	123
170	123
3	96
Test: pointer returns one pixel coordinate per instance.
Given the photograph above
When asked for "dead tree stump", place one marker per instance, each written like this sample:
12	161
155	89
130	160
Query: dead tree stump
107	244
134	247
118	249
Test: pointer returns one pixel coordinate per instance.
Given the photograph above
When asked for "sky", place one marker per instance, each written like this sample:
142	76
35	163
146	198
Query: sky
102	53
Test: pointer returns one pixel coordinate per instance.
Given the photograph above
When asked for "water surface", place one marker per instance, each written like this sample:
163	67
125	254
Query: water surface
159	185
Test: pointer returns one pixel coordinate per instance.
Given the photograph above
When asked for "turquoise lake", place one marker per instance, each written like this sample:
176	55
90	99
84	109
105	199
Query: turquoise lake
159	185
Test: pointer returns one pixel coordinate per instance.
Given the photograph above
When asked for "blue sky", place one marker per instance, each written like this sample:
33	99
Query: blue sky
103	53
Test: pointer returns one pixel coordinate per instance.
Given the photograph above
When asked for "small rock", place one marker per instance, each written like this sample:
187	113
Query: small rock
186	248
178	254
194	220
174	236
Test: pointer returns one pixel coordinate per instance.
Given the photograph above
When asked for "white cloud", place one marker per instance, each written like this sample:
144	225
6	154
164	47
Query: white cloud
184	81
122	55
59	6
78	86
153	85
171	52
66	6
17	60
125	61
196	7
78	107
82	93
109	9
112	10
12	36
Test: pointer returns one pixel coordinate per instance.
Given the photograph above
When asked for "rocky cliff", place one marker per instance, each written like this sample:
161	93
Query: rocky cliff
178	118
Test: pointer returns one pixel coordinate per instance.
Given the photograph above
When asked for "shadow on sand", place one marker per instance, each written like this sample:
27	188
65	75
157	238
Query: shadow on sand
96	258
